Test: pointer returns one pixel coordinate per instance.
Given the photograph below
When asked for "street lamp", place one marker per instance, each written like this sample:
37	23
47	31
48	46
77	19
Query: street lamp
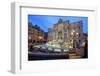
73	34
77	34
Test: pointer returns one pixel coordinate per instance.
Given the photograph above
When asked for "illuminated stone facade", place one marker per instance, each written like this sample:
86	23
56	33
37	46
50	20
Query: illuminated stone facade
69	34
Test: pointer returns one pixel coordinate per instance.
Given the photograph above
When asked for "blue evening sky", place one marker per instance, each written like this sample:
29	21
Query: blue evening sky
47	21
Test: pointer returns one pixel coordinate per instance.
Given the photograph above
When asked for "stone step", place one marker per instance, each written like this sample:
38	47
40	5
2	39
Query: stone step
74	57
72	54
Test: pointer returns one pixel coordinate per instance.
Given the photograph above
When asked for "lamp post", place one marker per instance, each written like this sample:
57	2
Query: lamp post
77	35
73	34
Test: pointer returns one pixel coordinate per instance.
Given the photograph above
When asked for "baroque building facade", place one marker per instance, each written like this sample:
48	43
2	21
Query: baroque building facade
35	34
65	33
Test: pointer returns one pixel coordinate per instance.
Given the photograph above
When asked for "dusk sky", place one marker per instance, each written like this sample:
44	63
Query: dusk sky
45	22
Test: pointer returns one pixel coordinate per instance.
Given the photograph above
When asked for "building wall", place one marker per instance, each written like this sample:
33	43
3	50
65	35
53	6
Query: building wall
35	34
66	32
